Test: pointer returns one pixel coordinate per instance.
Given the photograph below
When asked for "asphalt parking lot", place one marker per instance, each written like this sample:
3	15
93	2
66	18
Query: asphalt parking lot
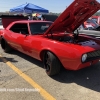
23	78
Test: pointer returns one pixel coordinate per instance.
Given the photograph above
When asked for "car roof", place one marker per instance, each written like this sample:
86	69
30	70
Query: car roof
30	21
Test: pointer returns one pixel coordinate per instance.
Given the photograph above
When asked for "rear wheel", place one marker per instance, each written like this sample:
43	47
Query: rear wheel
51	64
5	46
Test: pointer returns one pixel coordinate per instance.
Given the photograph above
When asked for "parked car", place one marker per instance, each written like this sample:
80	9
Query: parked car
96	19
90	28
89	24
55	44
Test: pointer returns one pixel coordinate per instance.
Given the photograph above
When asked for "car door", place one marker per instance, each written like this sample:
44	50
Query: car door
17	38
22	39
13	36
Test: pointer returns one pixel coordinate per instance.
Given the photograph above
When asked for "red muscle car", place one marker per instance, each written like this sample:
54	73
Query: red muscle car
55	44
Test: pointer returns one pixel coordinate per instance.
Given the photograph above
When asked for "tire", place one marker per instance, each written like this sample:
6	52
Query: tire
51	64
5	46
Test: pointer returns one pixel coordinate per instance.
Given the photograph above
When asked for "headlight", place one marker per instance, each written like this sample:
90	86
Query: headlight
84	57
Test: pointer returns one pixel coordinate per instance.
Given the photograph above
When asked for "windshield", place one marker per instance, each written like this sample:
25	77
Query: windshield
39	27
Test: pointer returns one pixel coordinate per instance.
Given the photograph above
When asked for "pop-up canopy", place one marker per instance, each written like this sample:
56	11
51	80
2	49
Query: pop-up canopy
28	8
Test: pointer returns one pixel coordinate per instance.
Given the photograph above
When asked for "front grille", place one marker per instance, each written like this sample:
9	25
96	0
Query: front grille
93	55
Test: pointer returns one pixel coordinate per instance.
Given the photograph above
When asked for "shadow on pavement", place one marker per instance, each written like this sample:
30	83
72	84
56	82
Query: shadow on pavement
88	77
5	59
28	58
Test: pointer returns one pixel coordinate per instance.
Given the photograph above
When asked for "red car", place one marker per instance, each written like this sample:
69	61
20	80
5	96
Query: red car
89	24
55	44
96	19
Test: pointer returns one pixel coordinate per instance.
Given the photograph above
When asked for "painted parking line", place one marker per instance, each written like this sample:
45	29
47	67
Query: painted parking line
43	92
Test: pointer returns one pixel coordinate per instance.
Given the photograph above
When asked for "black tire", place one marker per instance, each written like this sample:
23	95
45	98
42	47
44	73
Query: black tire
5	46
51	64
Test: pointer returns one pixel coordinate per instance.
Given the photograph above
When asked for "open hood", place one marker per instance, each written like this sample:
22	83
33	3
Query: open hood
74	15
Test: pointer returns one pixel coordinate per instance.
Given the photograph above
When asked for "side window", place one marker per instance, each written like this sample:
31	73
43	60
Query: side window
20	28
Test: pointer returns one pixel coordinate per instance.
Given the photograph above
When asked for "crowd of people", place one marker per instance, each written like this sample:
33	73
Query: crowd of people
36	16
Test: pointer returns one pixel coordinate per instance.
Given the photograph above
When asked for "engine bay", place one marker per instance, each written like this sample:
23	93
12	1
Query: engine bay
74	38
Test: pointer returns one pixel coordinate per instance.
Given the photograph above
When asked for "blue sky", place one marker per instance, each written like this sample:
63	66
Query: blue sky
51	5
55	6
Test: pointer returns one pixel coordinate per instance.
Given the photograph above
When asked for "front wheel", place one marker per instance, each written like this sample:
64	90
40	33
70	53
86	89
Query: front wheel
51	64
